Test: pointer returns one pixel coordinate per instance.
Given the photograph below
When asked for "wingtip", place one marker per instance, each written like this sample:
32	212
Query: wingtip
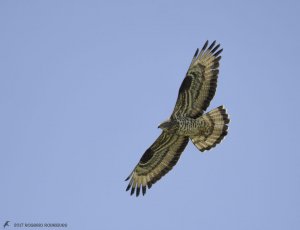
217	53
144	190
196	53
129	176
205	45
212	45
138	189
132	191
128	187
215	49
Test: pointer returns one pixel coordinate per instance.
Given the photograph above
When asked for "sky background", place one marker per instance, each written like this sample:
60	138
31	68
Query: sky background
84	85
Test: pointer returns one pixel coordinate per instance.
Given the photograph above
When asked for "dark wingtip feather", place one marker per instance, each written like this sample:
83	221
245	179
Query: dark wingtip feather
138	189
132	191
196	53
218	58
127	178
128	187
212	45
205	45
144	190
220	51
215	49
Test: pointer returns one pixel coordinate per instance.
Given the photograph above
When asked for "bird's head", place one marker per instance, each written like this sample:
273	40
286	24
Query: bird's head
169	126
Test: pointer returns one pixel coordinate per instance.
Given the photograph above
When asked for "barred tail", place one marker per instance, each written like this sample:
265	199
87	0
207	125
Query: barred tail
214	129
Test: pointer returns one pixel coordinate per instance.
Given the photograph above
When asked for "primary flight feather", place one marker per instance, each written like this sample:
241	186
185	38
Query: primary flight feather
187	121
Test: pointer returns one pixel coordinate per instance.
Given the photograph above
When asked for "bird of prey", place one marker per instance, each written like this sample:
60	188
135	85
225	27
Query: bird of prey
187	122
6	224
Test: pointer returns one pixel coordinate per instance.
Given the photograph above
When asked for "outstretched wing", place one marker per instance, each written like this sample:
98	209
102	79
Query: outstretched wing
200	83
158	159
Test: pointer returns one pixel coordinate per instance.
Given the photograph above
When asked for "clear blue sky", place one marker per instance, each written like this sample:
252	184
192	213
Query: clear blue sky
84	84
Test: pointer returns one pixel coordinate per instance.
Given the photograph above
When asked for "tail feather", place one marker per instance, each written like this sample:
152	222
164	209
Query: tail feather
214	129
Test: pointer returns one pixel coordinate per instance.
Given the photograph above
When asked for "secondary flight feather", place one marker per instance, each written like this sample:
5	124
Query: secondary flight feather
187	122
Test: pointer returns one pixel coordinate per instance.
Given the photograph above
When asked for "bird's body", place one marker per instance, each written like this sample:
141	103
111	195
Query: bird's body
184	126
187	122
6	224
189	126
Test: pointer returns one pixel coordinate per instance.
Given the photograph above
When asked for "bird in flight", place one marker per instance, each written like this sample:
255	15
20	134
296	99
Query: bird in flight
6	224
187	122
